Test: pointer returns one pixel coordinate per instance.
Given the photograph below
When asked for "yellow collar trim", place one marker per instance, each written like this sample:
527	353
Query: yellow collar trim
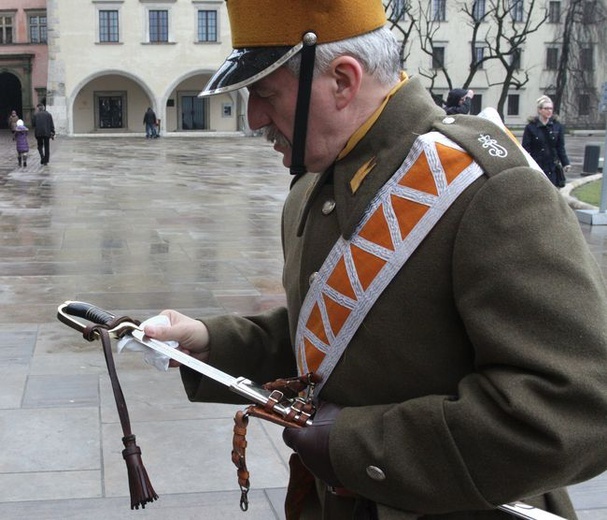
362	131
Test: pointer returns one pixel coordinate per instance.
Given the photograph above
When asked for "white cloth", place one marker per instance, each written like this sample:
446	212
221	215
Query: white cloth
152	357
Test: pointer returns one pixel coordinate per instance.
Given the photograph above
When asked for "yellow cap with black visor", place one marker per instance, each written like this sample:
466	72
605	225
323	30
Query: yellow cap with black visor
267	33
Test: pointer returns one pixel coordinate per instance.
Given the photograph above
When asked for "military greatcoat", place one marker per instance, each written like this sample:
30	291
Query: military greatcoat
479	376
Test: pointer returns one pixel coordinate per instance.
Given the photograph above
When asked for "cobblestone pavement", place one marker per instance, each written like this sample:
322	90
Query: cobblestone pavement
135	226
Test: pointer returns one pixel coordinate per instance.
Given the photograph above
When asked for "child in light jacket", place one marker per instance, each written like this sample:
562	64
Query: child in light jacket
21	142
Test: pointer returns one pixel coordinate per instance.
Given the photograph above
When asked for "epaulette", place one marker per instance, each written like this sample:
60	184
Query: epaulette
494	148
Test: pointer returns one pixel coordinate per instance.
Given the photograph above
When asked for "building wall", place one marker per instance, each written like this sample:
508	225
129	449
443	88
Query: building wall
158	75
455	34
167	76
22	60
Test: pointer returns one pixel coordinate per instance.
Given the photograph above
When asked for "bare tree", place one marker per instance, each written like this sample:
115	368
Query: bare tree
581	36
401	18
513	22
499	27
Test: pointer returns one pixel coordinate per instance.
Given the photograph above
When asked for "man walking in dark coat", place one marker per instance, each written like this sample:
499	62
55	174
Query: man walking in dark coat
44	132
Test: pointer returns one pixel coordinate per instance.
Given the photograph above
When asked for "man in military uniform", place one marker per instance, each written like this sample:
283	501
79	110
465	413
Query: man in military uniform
457	319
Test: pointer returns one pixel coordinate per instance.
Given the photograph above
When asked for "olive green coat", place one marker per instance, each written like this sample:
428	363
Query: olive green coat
480	375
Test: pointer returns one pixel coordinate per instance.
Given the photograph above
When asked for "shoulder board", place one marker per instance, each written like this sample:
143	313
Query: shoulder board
494	148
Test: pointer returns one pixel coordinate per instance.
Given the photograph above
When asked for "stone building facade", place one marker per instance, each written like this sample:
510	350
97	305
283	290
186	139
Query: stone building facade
109	60
23	57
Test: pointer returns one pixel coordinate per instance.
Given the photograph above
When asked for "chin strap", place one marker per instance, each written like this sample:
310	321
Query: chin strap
300	129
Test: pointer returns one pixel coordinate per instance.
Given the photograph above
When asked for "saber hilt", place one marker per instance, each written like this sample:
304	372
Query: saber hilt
116	326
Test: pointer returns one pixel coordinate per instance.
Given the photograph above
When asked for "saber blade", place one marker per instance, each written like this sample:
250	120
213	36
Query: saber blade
527	512
239	385
185	359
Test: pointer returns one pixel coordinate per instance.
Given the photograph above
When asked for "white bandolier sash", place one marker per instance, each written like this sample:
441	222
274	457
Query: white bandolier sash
356	271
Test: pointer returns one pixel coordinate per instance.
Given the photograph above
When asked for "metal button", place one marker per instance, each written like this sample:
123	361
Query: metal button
328	207
313	277
449	120
375	473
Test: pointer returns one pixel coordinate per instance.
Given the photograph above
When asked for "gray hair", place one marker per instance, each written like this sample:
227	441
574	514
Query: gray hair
541	100
377	51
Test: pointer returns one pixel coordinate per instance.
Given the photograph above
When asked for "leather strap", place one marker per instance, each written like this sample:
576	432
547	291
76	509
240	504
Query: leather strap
140	486
283	390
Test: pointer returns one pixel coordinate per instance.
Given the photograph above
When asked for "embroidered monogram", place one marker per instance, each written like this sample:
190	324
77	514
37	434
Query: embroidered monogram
495	150
357	271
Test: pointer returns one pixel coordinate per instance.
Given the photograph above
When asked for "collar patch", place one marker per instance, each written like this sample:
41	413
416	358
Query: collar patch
361	173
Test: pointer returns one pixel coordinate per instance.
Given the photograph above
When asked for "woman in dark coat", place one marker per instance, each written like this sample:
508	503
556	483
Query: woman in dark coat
544	139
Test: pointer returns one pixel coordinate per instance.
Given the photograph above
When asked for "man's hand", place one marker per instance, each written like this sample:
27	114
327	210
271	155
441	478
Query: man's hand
192	335
312	443
567	168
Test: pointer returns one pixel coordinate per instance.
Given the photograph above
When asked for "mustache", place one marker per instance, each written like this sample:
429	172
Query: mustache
273	135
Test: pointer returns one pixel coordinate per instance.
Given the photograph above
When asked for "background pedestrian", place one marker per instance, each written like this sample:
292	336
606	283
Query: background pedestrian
21	142
544	139
149	120
44	130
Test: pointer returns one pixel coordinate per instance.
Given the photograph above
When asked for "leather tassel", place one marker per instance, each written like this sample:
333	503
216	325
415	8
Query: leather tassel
140	486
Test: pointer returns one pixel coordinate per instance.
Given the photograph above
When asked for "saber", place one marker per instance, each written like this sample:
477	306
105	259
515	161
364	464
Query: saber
239	385
289	409
528	512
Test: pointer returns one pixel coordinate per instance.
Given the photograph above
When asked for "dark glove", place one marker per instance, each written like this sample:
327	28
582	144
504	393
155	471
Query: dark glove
312	443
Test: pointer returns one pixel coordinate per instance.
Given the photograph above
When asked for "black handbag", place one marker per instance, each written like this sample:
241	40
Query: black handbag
561	180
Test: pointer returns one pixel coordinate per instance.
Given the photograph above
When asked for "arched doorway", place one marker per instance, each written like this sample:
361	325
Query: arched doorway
11	99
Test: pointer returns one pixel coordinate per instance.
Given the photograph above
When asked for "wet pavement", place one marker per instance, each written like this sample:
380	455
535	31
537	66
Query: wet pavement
190	222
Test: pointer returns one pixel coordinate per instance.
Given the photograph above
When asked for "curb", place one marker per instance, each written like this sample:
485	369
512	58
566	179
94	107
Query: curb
572	201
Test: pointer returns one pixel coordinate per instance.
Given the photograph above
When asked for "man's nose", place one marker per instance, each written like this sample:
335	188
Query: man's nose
258	118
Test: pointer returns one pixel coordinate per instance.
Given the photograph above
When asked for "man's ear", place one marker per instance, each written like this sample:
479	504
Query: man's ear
348	75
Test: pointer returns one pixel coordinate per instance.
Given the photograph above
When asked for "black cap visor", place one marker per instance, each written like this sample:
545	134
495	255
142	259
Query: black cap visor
246	66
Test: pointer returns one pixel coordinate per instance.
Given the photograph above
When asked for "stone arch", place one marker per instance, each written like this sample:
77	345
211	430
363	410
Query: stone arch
130	93
11	86
191	83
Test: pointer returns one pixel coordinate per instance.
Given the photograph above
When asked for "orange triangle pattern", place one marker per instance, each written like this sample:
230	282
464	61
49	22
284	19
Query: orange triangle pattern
408	213
338	314
314	356
366	264
340	281
453	161
315	325
376	230
419	177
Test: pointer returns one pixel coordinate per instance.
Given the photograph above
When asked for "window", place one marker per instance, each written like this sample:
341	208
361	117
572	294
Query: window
479	54
6	29
37	27
554	12
584	105
399	7
439	13
513	105
159	26
515	59
477	104
108	26
438	57
590	13
587	59
478	10
552	58
517	10
207	26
